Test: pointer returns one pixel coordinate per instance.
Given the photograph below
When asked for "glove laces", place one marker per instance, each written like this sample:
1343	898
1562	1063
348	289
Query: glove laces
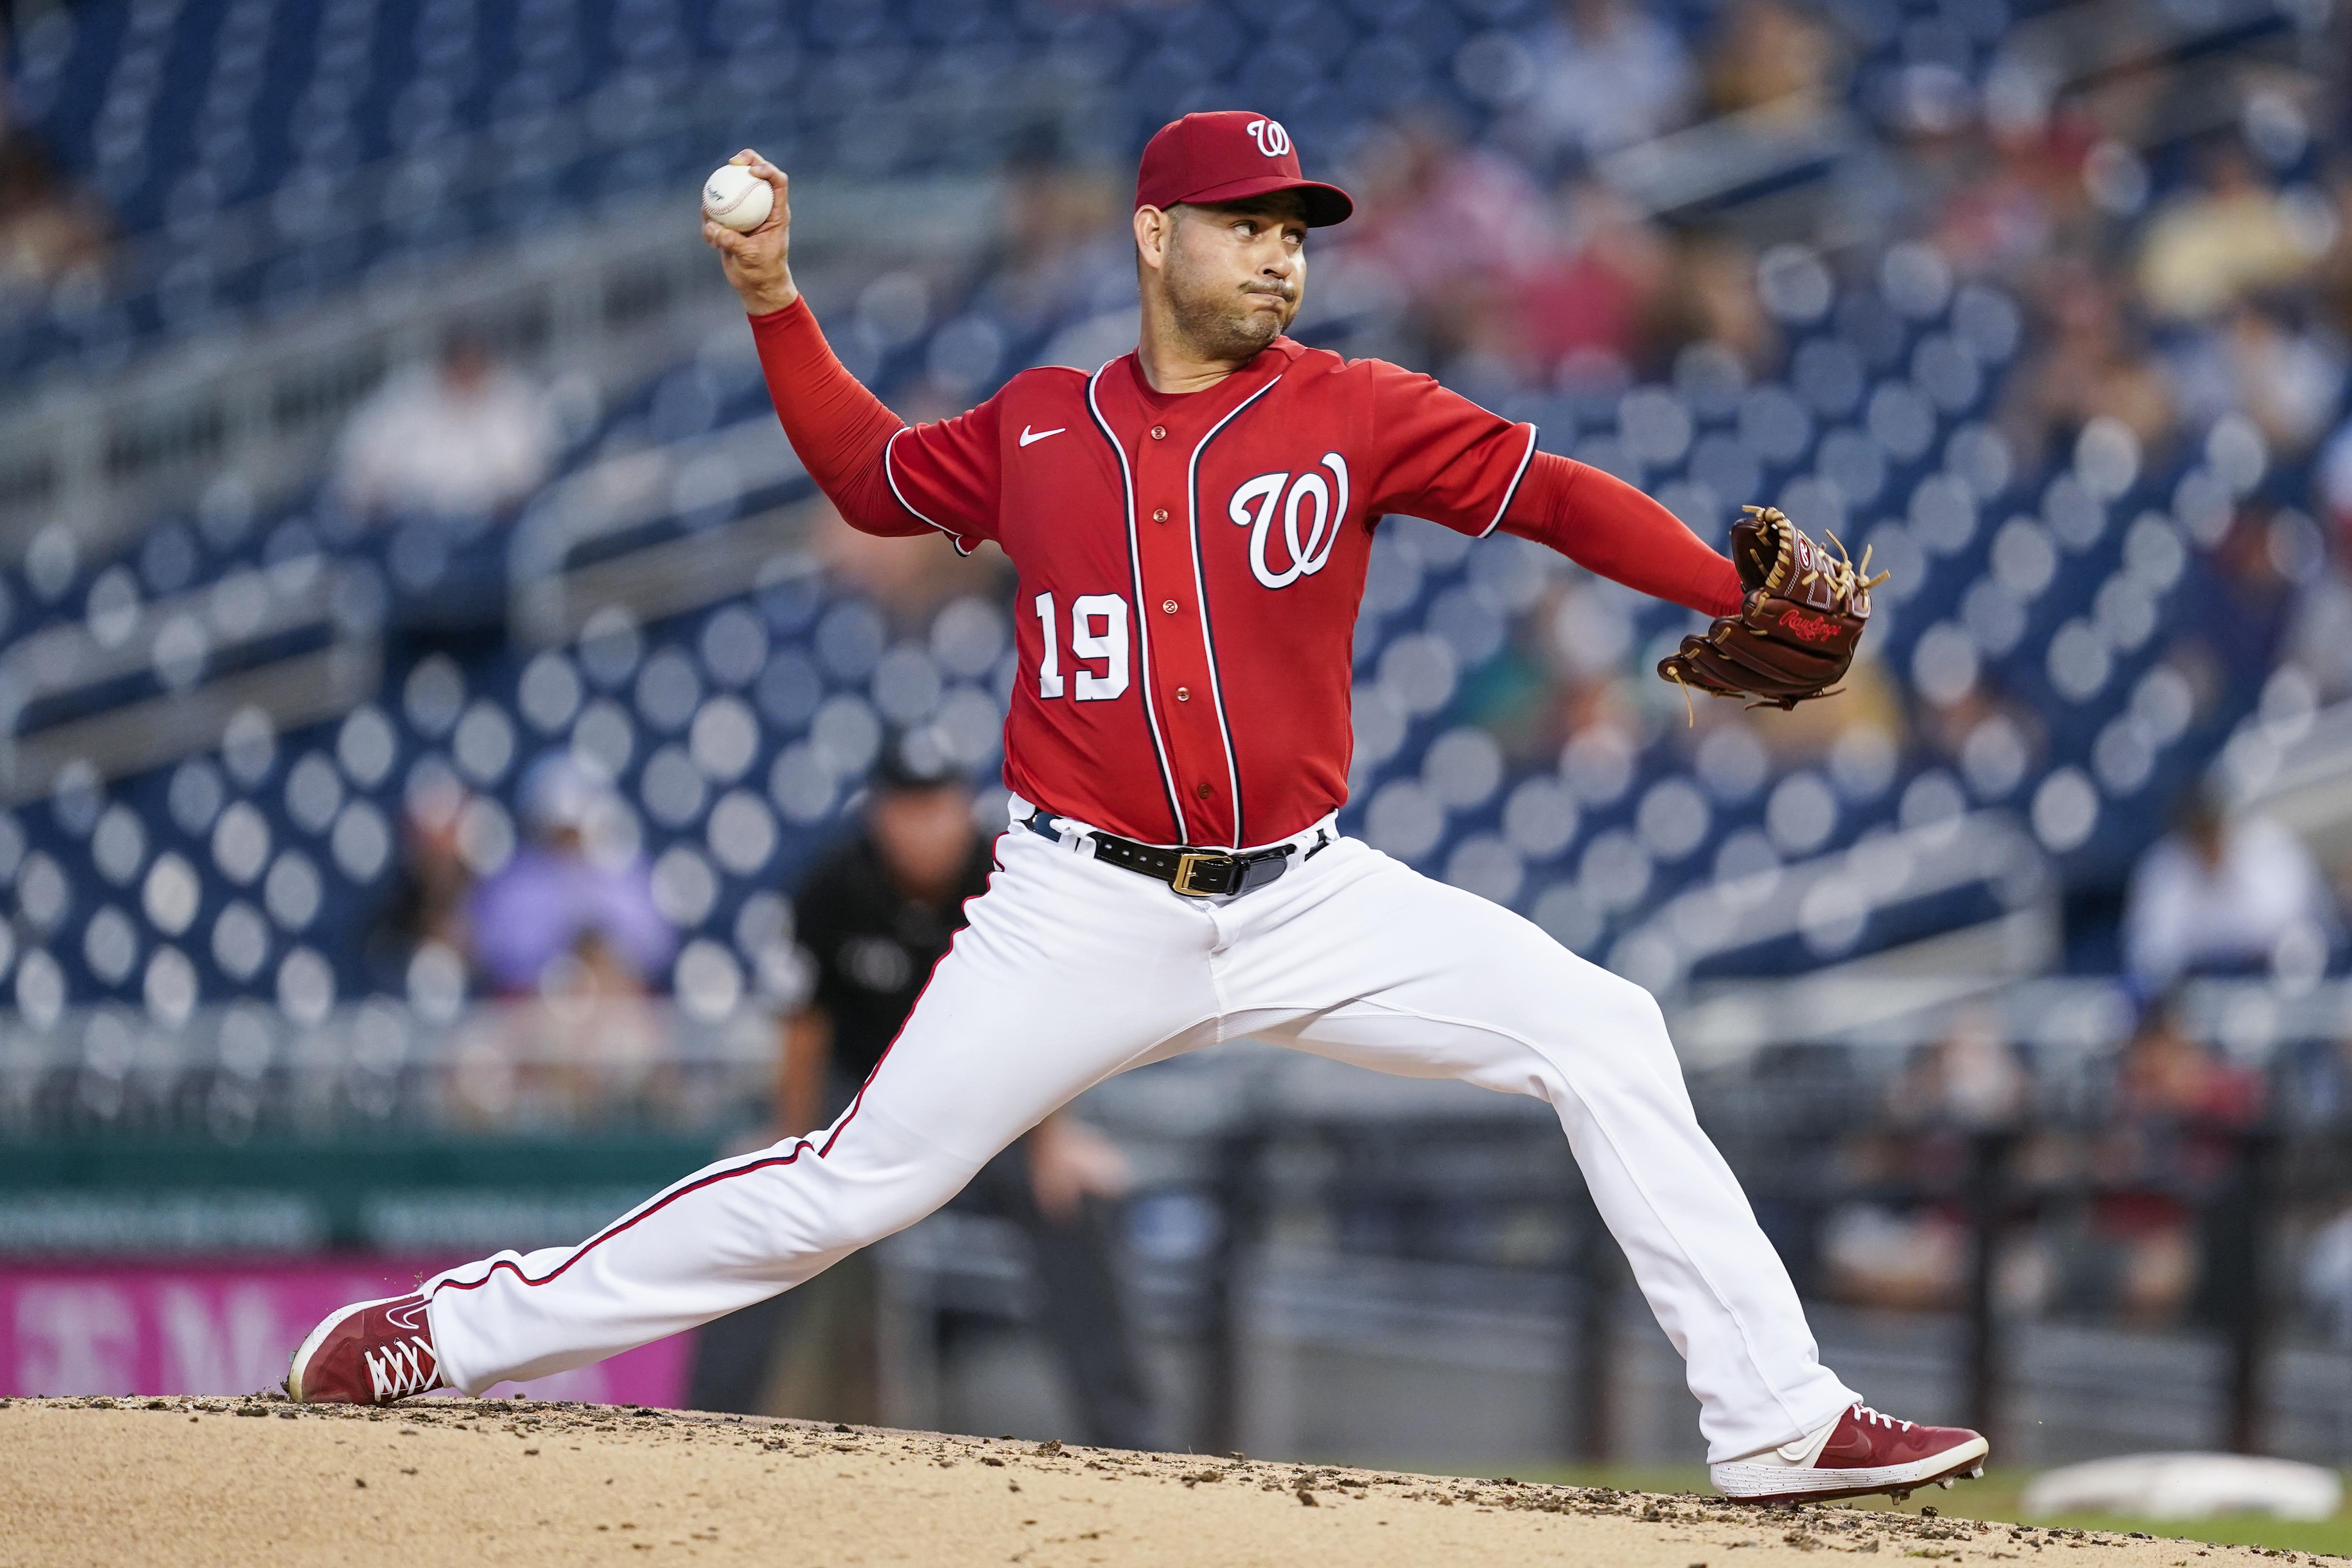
1845	576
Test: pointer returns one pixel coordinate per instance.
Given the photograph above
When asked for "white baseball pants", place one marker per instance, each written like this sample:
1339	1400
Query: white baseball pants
1072	971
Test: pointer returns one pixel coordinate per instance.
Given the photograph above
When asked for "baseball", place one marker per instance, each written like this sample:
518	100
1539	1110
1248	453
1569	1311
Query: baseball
737	197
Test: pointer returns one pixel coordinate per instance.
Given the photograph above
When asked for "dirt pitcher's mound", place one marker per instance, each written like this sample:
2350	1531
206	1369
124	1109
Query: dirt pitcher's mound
260	1481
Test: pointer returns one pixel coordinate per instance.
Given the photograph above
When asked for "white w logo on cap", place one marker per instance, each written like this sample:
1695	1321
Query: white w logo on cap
1271	138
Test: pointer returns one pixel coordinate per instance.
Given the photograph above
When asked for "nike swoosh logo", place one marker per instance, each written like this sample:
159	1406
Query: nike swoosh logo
1028	434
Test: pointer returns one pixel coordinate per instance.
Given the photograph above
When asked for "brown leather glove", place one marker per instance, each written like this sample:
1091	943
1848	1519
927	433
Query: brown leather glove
1795	633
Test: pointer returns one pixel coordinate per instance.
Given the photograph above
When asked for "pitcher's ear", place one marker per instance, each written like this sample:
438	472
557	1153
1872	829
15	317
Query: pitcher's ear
1152	227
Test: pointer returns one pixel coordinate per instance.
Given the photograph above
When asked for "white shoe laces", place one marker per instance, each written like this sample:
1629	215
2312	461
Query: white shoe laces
401	1368
1865	1413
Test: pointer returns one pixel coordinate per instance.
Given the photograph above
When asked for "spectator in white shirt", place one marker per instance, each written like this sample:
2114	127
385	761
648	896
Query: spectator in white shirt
2218	893
1608	74
464	437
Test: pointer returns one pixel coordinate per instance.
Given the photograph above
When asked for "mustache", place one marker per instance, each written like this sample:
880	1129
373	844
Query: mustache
1279	290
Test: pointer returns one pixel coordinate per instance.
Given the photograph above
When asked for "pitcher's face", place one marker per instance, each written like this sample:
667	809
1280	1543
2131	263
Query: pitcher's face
1236	272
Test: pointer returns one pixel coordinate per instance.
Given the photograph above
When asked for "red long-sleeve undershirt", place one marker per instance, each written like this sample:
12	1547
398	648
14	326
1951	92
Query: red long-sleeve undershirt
1605	525
840	431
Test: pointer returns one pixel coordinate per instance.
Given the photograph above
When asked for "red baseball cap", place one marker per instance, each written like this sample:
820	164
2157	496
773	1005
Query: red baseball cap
1228	155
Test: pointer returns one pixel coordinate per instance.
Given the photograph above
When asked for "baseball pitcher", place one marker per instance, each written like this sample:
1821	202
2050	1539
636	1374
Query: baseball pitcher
1190	523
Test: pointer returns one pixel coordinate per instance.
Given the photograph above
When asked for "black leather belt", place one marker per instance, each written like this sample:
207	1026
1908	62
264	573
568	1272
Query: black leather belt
1195	873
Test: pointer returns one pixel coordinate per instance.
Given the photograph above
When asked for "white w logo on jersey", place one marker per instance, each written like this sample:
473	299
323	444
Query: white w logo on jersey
1253	506
1271	138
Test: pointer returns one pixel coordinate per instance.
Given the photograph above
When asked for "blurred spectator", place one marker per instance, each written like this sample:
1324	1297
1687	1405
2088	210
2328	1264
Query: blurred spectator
46	229
1769	52
2239	608
2225	234
1970	1077
2175	1109
1608	73
2218	893
562	911
1579	645
1869	703
877	916
466	437
2260	361
2093	365
426	912
2025	204
1910	1249
2166	1072
1446	210
1445	222
1710	296
567	945
1578	312
1875	1255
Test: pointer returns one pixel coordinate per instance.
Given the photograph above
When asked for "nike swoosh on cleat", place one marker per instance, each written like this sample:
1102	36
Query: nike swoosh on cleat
1028	434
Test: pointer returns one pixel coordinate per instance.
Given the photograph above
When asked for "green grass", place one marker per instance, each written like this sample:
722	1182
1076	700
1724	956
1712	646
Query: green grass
1997	1496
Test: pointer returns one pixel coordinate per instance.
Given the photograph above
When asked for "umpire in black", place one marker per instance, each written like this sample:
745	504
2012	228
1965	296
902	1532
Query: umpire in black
875	916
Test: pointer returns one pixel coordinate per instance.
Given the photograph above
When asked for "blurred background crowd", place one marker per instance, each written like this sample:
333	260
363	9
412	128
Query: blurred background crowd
444	725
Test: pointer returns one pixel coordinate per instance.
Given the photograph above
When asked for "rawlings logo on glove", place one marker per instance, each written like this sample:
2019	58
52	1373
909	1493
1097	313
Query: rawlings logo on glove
1796	630
1813	628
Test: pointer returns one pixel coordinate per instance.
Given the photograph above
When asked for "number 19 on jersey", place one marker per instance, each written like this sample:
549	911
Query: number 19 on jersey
1097	636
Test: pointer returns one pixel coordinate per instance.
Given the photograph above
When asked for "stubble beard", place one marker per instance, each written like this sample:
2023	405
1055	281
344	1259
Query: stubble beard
1218	322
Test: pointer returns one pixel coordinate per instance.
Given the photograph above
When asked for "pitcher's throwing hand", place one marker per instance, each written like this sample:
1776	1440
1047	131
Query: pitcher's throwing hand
758	261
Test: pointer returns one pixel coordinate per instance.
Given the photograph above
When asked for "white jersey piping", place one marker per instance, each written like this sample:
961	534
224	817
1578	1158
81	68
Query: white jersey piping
1200	597
1525	458
888	447
1142	619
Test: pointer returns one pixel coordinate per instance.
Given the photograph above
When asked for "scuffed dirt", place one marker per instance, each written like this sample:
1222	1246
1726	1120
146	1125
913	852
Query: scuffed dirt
204	1481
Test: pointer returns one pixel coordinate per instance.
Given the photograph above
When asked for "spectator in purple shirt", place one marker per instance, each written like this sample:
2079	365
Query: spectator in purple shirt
566	902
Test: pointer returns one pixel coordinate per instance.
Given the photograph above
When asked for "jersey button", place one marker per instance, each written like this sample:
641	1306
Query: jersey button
1183	694
1169	606
1159	514
1160	432
1205	792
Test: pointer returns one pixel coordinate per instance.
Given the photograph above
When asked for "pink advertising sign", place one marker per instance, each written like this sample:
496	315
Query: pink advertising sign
216	1329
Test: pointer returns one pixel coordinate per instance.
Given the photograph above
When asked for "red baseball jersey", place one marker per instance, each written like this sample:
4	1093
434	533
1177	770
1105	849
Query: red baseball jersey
1190	568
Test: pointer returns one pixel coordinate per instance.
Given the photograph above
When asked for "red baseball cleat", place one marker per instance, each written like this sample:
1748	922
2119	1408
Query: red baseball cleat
370	1352
1860	1453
